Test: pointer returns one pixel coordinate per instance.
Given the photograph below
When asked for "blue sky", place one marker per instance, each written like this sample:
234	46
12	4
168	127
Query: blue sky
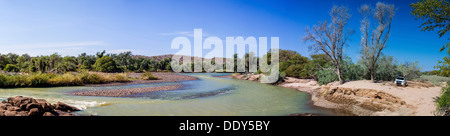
147	27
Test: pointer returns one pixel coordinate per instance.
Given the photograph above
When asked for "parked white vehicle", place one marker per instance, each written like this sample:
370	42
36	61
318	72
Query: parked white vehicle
400	81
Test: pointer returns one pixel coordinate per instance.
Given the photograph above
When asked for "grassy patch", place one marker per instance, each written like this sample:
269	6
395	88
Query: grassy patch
149	76
67	79
436	80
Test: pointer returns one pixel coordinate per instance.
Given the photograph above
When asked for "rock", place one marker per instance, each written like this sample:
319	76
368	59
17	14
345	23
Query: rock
27	106
48	114
34	112
33	105
64	107
62	113
4	106
22	113
10	113
12	108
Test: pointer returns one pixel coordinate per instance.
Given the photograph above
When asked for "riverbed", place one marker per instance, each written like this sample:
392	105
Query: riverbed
208	96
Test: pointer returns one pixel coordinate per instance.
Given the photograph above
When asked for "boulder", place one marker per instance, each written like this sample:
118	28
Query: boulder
10	113
22	113
64	107
12	108
48	114
33	105
27	106
34	112
4	106
62	113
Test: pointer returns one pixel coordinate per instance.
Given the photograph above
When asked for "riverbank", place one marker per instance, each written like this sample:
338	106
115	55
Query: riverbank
162	77
365	98
127	92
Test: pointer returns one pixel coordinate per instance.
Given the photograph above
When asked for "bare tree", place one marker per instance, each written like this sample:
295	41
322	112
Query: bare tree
331	38
373	43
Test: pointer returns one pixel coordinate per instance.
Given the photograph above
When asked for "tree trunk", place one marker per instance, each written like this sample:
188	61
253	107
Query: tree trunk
339	75
372	76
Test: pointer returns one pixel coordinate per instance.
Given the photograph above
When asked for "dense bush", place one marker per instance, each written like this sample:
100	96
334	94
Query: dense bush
326	76
11	68
105	64
297	71
386	70
352	71
91	78
55	63
409	70
444	101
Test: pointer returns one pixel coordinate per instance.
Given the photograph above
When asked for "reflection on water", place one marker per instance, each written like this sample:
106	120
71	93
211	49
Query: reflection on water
208	96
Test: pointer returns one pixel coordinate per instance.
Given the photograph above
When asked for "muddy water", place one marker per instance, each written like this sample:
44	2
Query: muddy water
208	96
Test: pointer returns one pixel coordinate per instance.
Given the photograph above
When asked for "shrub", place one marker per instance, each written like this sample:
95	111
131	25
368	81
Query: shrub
105	64
38	80
66	79
435	79
326	76
91	78
410	70
148	76
3	79
297	71
11	68
282	75
444	100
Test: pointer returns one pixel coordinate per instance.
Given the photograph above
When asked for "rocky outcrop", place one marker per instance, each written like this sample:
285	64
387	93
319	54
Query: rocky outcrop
27	106
363	101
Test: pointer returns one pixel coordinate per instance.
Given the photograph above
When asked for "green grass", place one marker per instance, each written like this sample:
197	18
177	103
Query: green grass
149	76
67	79
436	80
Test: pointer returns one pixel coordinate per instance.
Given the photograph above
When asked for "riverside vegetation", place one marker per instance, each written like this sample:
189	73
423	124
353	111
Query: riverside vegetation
54	70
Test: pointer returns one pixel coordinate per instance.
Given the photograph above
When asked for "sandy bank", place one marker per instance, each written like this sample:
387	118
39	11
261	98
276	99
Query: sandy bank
366	98
421	98
163	77
127	92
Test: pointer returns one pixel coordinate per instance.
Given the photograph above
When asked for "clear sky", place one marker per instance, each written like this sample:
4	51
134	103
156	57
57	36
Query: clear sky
147	27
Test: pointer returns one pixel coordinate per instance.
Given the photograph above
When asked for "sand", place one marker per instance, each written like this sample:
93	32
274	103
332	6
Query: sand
164	77
419	98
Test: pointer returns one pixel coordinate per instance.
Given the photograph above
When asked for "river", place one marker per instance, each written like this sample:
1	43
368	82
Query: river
209	96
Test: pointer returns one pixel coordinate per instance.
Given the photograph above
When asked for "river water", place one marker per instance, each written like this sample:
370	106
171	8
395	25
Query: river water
209	96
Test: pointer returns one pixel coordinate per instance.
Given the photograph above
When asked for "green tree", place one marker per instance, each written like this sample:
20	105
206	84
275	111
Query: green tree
105	64
11	68
436	14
